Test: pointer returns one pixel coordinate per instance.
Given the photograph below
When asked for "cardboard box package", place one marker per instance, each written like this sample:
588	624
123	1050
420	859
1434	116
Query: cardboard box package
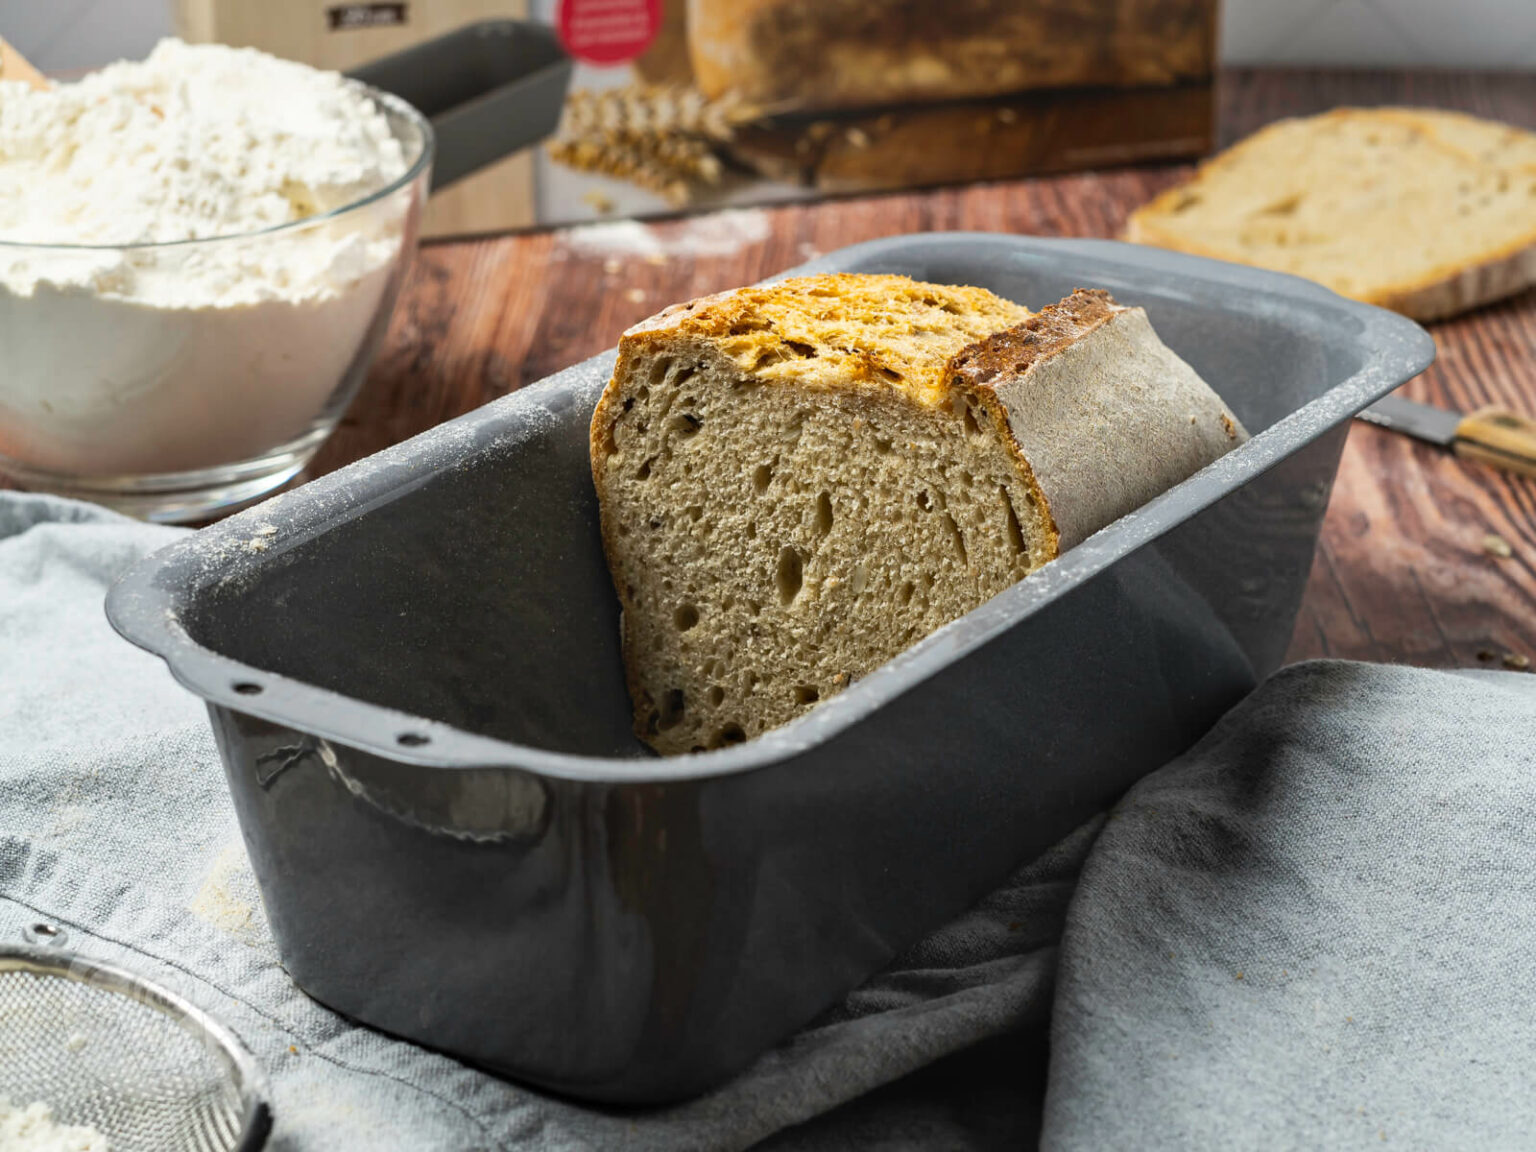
676	105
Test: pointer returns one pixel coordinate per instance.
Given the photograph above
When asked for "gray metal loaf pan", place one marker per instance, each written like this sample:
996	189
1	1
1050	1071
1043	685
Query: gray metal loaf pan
413	673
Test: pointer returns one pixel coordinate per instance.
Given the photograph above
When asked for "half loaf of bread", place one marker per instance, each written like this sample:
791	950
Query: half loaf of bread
798	482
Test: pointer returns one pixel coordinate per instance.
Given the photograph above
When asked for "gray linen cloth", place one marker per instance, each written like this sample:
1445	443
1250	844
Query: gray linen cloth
1314	929
115	824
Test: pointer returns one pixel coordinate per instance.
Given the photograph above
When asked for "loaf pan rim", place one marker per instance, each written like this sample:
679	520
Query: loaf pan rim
144	609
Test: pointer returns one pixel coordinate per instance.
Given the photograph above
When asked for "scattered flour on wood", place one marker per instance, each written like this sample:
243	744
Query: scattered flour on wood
718	234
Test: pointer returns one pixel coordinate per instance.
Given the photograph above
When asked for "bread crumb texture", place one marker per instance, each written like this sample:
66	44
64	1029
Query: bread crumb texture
800	481
1423	211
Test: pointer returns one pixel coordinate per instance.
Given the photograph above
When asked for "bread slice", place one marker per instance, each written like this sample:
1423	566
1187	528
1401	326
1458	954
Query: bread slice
1425	212
798	482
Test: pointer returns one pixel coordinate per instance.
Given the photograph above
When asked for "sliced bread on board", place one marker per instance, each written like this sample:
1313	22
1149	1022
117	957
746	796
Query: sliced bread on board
798	482
1425	212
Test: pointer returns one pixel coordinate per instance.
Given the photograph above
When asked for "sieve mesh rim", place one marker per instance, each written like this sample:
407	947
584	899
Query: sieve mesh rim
244	1072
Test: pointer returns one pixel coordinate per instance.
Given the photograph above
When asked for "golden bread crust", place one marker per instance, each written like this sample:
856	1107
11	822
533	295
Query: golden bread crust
844	330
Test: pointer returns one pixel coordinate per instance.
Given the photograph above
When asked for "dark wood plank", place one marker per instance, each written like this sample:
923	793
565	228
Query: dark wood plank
1252	98
1402	573
480	318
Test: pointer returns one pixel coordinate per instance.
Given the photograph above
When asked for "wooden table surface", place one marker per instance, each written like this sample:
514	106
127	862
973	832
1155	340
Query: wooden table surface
1402	573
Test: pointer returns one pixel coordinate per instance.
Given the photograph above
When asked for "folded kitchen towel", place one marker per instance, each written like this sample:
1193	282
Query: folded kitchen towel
1317	929
115	824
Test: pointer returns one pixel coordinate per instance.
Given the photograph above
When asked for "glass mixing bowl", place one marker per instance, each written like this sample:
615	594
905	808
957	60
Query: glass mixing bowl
172	381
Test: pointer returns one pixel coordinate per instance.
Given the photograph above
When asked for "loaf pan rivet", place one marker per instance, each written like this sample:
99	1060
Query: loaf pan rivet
44	933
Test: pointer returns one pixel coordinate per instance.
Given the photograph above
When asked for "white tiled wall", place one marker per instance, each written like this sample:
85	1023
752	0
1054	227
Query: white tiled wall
76	35
1495	34
70	35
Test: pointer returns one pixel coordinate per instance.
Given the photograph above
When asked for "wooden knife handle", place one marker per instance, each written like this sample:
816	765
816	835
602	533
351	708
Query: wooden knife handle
1503	439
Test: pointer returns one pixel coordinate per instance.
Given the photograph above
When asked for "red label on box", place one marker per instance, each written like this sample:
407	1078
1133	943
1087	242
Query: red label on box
607	31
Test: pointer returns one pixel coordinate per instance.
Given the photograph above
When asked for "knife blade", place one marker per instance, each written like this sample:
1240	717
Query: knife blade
1490	435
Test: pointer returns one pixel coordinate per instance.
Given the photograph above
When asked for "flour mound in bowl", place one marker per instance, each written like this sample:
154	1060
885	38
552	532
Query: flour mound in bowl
194	141
128	360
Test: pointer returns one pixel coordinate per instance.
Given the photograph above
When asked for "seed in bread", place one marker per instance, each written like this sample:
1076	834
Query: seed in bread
800	481
1422	211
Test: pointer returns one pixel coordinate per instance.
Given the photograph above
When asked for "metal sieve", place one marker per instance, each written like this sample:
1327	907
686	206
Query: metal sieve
104	1047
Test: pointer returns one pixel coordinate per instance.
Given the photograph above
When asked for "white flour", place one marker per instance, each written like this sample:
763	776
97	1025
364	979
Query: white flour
138	360
33	1129
192	142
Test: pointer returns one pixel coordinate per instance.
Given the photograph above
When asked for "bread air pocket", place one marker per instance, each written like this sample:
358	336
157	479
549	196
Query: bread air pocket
798	482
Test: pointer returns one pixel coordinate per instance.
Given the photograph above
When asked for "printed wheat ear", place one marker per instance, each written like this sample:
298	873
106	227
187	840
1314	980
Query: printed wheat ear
658	137
653	110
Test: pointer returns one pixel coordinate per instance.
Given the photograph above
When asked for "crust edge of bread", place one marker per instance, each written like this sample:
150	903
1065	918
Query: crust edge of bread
999	369
968	373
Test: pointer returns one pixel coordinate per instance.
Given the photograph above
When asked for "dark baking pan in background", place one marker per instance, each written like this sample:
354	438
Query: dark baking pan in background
412	669
490	89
